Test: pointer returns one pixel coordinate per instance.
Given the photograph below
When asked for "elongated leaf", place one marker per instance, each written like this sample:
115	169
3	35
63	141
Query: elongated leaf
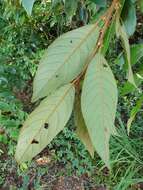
28	5
134	112
120	31
129	17
81	130
108	36
64	60
98	103
45	123
136	54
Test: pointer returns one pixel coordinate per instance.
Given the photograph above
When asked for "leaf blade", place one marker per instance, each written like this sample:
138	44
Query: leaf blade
28	5
120	31
81	129
64	60
44	123
98	103
129	17
134	112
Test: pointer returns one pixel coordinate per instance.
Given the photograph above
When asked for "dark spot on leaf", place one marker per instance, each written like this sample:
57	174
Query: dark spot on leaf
104	65
34	142
71	41
56	76
46	125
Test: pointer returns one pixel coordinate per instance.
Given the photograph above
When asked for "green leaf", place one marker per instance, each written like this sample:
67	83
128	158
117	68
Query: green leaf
120	31
140	4
57	6
134	112
127	88
136	54
108	36
70	7
129	17
44	123
130	88
81	130
28	5
64	60
100	3
98	103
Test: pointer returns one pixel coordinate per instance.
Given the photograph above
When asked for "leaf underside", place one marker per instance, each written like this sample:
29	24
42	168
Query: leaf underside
98	103
44	123
64	60
81	129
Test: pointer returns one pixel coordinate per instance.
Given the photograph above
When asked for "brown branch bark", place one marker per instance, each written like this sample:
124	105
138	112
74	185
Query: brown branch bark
107	18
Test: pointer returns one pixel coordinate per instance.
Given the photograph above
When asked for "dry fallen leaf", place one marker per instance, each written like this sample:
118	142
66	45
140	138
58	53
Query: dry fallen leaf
43	160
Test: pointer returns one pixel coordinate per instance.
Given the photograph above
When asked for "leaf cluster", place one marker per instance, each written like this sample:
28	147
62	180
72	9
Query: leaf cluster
74	75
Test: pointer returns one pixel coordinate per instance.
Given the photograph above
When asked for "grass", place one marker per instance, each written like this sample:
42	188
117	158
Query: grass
126	163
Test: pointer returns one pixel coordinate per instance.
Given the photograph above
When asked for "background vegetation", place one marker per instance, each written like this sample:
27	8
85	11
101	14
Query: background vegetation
64	163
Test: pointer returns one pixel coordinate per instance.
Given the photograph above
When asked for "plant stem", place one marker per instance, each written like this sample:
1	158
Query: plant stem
107	18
